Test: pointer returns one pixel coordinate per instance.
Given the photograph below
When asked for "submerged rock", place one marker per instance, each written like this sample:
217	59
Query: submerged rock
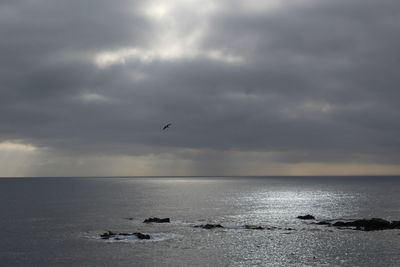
253	227
306	217
322	223
209	226
156	220
340	224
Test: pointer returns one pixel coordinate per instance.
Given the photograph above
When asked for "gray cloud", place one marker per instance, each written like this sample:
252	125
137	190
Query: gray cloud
313	81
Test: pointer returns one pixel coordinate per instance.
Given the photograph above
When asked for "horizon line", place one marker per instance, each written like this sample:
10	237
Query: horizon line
200	176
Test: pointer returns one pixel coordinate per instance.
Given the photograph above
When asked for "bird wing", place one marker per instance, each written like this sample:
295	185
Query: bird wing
166	126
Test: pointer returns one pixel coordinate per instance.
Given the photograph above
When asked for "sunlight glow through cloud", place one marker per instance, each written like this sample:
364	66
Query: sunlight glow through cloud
16	158
256	6
252	87
14	146
172	41
157	10
93	97
168	53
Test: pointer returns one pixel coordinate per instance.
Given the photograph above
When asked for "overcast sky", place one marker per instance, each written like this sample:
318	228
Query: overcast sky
252	87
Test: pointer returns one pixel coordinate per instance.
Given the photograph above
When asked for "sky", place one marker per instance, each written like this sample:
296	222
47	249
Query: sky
251	87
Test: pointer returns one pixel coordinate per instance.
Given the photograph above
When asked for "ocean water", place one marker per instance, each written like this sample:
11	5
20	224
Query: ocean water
57	221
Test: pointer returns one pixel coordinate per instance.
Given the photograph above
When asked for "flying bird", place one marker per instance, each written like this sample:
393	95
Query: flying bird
166	126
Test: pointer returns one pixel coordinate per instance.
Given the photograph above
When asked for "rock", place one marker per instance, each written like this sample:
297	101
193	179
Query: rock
107	235
142	236
209	226
254	227
156	220
117	236
395	224
289	229
373	224
339	224
306	217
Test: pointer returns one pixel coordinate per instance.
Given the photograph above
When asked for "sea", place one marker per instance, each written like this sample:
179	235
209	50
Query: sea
58	221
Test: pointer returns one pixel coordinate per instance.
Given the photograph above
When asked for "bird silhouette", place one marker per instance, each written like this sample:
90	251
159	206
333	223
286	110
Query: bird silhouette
166	126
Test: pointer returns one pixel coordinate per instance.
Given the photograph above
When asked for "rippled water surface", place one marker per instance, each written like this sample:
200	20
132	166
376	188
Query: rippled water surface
57	221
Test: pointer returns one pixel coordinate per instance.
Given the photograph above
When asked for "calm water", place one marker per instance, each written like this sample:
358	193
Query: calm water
56	222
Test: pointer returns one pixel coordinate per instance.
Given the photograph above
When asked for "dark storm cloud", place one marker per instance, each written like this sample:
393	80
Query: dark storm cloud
318	81
45	47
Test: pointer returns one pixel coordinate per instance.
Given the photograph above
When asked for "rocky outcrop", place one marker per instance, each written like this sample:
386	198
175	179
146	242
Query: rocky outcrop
142	236
209	226
116	236
108	234
306	217
156	220
373	224
395	224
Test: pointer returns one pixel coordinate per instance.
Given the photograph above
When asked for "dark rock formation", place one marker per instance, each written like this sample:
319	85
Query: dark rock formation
395	224
306	217
253	227
108	234
116	236
323	223
340	224
142	236
373	224
156	220
209	226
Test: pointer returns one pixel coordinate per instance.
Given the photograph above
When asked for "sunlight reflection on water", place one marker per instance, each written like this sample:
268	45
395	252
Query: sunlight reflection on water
284	205
71	208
